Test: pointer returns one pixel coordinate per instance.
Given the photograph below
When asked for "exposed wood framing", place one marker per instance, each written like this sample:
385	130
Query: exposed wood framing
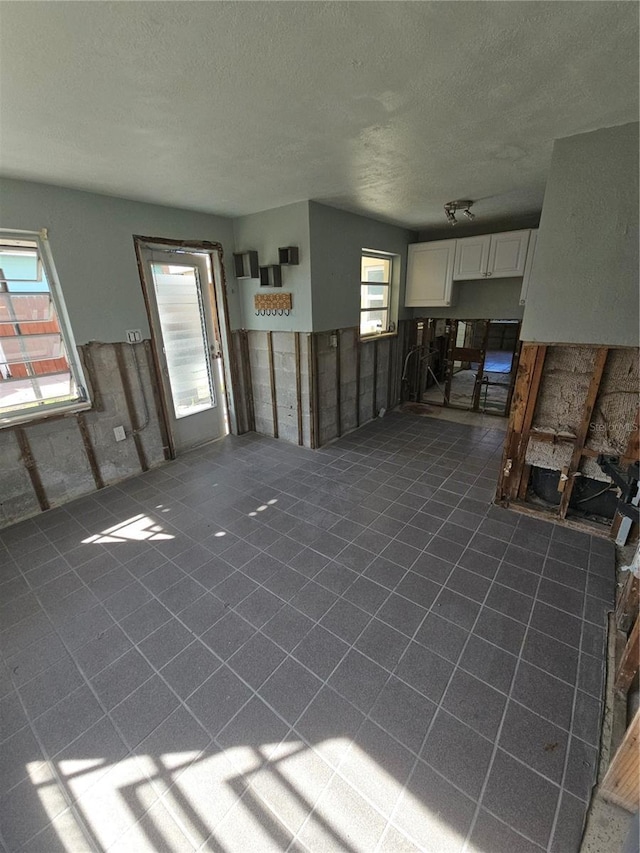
130	403
621	784
515	473
390	344
84	351
628	666
32	468
628	603
247	379
314	424
89	450
272	383
296	340
157	400
583	429
477	386
374	393
358	346
338	385
632	454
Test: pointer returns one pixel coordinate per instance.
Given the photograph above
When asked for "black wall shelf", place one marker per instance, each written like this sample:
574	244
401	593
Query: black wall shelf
271	276
288	256
245	264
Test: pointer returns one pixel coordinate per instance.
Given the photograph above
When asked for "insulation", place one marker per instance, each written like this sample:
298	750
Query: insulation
617	403
566	376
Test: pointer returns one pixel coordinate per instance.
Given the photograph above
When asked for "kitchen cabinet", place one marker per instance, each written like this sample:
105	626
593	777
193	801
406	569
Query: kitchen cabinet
501	255
533	239
430	274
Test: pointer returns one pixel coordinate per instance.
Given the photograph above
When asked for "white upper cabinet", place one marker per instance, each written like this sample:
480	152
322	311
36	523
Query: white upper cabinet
508	253
500	255
531	252
430	274
472	257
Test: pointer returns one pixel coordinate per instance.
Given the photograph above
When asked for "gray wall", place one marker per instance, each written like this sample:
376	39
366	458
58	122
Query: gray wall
266	232
92	246
337	240
584	281
481	300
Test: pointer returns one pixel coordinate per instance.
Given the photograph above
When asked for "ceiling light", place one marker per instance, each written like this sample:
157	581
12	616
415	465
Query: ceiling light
451	206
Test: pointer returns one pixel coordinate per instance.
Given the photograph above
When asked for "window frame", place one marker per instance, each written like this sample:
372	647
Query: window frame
26	413
391	308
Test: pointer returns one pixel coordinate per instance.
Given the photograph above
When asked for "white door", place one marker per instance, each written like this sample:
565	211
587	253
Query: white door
430	274
508	254
472	256
181	300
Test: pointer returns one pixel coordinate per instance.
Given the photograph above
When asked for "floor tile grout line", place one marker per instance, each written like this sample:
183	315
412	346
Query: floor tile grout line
569	739
498	735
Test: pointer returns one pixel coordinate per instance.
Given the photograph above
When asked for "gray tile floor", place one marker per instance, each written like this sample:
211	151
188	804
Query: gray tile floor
260	647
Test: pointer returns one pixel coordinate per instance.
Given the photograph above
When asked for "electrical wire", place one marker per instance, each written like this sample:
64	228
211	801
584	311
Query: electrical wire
607	488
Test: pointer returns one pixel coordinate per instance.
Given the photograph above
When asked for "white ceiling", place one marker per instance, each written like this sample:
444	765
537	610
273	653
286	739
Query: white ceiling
388	109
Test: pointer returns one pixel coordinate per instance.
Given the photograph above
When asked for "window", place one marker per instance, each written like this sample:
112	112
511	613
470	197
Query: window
376	294
39	372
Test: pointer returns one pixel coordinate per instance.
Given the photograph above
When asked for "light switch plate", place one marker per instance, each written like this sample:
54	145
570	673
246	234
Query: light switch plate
119	433
134	336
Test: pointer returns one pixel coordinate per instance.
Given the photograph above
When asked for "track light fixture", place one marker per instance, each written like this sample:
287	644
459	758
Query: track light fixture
451	207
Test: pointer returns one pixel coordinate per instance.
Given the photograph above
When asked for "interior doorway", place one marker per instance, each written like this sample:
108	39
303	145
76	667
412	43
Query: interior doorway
179	284
470	364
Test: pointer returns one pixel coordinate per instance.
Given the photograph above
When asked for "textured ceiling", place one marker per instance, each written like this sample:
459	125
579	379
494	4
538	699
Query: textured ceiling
388	109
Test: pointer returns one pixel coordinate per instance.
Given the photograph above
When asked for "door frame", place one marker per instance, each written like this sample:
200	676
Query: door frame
221	325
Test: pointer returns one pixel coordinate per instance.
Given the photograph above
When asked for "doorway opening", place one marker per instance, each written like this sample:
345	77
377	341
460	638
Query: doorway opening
469	365
183	286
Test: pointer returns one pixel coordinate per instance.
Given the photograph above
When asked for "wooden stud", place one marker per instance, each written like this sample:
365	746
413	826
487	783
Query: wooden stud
621	784
628	603
477	385
130	403
32	468
453	335
84	351
89	450
313	392
374	393
514	372
628	666
358	345
389	373
157	399
338	334
583	429
247	379
272	382
296	341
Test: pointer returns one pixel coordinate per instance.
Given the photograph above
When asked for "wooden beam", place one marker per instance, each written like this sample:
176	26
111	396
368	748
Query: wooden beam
89	450
628	604
296	340
358	345
338	385
130	403
583	430
272	383
374	393
453	334
628	666
32	468
156	385
314	425
390	350
621	784
477	385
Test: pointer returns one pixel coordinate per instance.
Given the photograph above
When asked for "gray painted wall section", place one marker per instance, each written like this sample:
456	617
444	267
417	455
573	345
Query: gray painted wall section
91	238
337	240
584	280
481	300
266	232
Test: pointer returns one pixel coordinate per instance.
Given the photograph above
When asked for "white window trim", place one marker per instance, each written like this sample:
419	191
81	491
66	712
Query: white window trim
83	403
392	302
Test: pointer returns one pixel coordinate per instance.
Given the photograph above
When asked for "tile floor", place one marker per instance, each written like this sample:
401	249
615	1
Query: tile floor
260	647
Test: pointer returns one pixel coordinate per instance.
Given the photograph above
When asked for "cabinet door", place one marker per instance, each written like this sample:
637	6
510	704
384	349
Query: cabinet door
472	255
430	274
531	251
508	253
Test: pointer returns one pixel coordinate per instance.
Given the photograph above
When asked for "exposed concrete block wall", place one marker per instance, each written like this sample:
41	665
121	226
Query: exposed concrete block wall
59	455
284	366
